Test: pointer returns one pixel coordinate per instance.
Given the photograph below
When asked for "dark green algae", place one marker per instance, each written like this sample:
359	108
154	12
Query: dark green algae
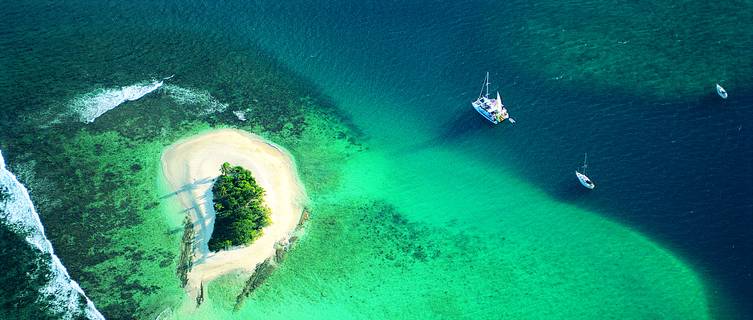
95	185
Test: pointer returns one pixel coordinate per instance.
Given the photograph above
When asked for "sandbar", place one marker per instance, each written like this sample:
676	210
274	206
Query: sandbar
190	166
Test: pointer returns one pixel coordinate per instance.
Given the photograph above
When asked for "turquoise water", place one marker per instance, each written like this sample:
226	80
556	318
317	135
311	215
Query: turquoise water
420	209
629	82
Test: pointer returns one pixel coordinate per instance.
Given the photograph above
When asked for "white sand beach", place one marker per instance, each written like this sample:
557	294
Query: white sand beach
190	167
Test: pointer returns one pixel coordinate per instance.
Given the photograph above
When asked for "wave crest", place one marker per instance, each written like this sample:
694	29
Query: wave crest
91	105
61	293
185	96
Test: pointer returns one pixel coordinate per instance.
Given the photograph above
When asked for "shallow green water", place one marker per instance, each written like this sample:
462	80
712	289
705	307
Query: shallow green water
419	210
370	252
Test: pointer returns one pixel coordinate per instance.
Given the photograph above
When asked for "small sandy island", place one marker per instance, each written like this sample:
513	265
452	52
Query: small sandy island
190	167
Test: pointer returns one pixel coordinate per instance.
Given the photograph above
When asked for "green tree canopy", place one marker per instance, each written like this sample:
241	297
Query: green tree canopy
239	207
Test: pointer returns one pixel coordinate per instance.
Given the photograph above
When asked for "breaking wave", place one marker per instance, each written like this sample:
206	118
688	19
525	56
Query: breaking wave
61	293
94	104
185	96
90	106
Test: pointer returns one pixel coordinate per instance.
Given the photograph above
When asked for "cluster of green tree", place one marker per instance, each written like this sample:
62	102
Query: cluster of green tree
239	207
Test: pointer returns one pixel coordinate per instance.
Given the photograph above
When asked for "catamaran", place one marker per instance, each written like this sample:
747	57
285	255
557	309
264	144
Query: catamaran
492	109
584	180
721	92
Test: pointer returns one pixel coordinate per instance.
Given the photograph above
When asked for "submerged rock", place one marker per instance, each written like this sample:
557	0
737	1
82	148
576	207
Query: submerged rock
305	215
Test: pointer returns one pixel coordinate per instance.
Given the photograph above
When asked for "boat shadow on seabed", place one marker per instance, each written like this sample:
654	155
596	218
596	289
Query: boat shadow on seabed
463	124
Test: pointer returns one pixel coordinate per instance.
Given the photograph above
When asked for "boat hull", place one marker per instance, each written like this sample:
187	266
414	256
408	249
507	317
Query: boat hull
721	92
486	114
585	181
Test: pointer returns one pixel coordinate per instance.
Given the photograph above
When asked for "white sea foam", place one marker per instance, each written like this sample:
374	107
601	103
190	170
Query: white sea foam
185	96
240	114
91	105
17	210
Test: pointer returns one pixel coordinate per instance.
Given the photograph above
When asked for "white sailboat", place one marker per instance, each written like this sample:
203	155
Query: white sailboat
584	180
721	92
492	109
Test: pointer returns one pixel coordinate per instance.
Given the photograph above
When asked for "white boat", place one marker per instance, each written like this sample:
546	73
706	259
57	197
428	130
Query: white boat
721	92
584	180
492	109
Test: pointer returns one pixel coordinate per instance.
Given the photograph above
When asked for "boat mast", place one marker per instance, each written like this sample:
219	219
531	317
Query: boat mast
486	84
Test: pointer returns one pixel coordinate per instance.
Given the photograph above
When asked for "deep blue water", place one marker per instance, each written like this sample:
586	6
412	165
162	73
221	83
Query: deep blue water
670	159
673	161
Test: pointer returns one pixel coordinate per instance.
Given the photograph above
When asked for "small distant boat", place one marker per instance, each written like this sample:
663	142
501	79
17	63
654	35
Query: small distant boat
584	180
721	92
492	109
